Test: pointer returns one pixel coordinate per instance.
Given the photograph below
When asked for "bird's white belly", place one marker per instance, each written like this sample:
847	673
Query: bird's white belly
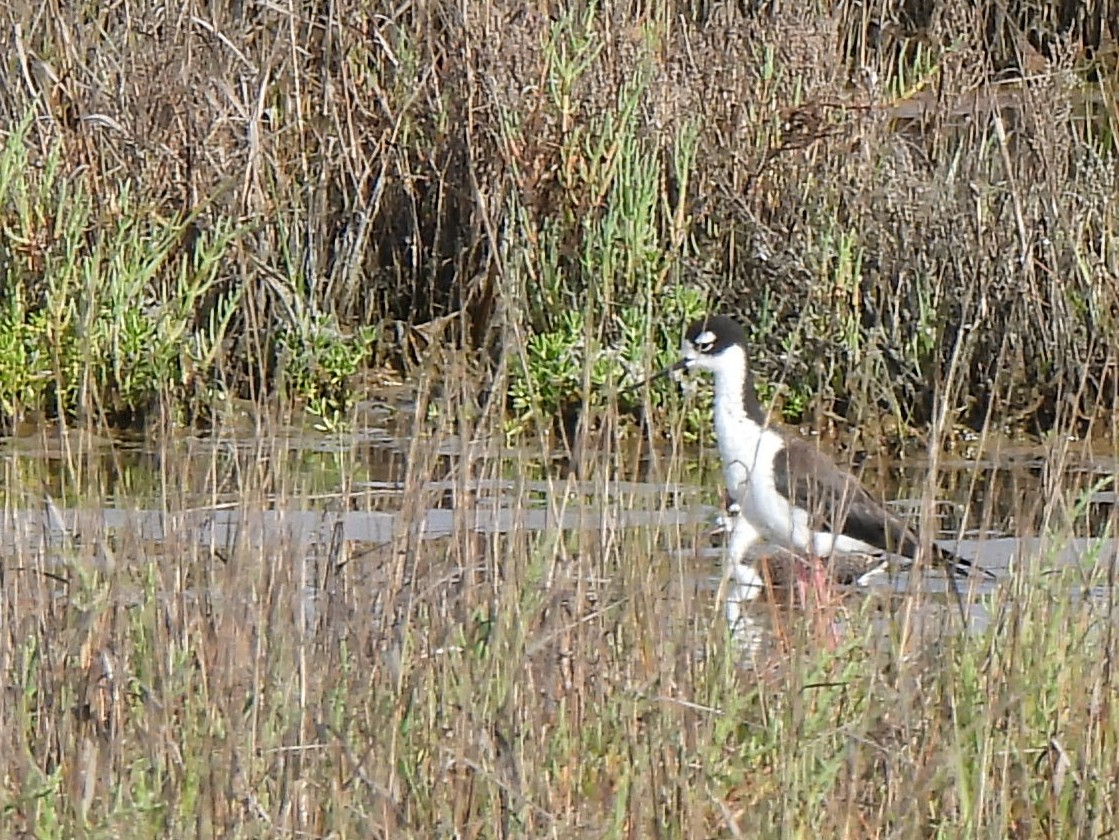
771	513
747	452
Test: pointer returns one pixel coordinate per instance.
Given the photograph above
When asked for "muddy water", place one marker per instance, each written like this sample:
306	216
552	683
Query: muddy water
357	491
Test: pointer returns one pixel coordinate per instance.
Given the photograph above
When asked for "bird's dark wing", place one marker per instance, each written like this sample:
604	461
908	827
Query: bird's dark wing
836	502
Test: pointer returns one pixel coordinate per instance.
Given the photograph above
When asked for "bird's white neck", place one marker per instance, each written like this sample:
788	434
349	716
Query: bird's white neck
730	384
738	435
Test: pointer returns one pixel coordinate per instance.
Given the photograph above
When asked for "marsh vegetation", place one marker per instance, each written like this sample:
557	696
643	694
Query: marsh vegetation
239	200
292	635
224	222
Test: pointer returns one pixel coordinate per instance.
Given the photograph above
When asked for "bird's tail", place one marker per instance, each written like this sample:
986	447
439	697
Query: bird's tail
909	544
957	565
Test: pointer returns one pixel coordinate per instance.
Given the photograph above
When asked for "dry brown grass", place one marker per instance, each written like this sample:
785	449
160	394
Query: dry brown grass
868	184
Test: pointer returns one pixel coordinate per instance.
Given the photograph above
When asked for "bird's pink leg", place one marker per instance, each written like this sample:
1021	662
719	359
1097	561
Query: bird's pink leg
813	587
814	591
821	586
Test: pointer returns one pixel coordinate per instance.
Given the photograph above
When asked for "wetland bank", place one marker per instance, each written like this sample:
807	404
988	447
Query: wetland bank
305	306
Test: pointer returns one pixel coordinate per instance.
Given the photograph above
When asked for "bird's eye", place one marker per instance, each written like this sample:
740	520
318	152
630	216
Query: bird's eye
704	341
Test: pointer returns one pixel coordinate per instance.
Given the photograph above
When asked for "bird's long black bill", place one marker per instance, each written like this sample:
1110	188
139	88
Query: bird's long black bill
668	371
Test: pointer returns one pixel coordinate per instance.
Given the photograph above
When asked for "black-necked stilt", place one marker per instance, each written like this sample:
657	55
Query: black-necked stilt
788	492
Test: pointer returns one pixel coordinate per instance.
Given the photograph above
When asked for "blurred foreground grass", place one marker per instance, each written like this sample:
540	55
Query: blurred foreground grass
539	684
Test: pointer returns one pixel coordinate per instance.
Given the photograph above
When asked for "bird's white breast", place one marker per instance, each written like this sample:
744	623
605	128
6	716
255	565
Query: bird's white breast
747	451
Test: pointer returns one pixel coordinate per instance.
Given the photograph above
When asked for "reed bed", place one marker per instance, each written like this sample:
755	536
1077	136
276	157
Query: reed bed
550	683
222	215
230	200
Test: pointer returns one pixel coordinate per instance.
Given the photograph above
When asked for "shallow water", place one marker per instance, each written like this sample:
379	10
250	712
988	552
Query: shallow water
322	493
